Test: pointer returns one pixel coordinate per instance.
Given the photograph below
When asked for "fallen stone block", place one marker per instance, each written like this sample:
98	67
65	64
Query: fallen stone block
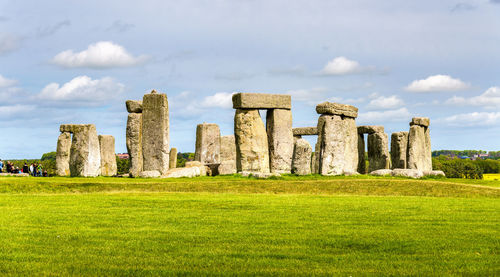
381	172
261	101
305	131
410	173
328	108
188	172
436	173
203	170
150	174
134	106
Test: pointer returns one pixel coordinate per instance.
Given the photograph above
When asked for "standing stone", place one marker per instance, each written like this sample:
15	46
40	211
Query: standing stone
301	164
227	155
207	143
419	155
252	154
134	143
378	152
155	132
399	144
63	154
108	156
428	150
361	153
85	156
280	138
173	158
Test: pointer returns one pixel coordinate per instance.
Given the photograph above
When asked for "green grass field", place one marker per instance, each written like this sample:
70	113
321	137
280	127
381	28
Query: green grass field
232	225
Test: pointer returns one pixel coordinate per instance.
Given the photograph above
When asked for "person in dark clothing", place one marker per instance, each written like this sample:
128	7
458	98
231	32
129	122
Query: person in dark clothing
9	167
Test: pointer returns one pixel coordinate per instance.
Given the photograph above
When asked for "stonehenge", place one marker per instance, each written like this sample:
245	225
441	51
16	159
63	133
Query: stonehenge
63	153
419	154
378	149
108	157
301	162
227	155
207	149
173	158
399	145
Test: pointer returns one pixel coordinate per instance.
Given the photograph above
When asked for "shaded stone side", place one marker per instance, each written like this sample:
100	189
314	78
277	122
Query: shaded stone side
428	150
227	155
155	132
63	154
108	156
85	155
261	101
252	154
378	152
280	139
399	144
173	158
134	143
301	162
207	149
361	154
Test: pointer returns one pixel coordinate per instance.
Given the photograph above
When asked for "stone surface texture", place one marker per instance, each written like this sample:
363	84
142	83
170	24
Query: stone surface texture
252	154
378	152
173	158
399	145
361	153
434	173
67	128
328	108
85	155
207	143
227	167
155	132
188	172
280	140
134	106
305	131
108	156
261	101
370	129
301	162
419	153
150	174
227	148
421	121
381	172
203	170
63	154
134	143
410	173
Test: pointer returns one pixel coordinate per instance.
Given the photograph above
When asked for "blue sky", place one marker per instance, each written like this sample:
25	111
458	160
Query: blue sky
78	61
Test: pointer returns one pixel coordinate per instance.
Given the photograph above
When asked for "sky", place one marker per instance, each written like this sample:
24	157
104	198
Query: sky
79	61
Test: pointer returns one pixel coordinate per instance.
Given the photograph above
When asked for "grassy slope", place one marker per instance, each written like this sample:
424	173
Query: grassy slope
229	225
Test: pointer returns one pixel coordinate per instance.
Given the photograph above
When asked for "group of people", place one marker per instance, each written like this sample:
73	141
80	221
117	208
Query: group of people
34	169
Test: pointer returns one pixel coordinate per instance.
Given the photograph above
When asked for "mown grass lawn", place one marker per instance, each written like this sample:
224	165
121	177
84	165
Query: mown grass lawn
230	225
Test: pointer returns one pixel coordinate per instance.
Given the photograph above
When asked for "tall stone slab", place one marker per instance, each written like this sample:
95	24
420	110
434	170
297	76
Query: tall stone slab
85	155
63	154
134	143
378	152
399	145
108	155
361	153
207	143
227	155
155	132
419	154
301	163
173	158
252	154
280	139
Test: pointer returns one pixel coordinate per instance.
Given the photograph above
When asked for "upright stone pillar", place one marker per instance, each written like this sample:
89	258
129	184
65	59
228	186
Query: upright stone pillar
337	147
63	154
361	153
419	154
108	155
399	145
155	132
173	158
252	154
85	155
227	155
301	164
280	138
207	143
378	151
134	143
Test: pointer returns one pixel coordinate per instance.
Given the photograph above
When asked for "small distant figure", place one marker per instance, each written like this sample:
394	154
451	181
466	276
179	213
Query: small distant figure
39	170
32	169
1	165
26	168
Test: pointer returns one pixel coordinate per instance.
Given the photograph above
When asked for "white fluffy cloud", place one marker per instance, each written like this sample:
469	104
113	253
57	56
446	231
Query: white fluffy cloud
103	54
82	90
4	82
401	114
341	66
385	103
222	100
437	83
489	99
474	119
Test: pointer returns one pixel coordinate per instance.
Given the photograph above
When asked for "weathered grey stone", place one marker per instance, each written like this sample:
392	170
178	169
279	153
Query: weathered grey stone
305	131
419	155
85	156
63	154
328	108
351	173
314	163
207	143
428	150
381	172
173	158
421	121
399	145
67	128
261	101
108	156
280	139
227	167
378	152
134	143
410	173
134	106
203	170
260	175
228	148
155	132
437	173
187	172
337	147
150	174
361	153
252	152
301	163
370	129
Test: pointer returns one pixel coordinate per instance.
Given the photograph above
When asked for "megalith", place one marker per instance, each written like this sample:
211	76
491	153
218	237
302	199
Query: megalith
301	163
173	158
252	154
63	154
337	146
108	156
134	143
399	145
207	149
378	151
419	154
280	139
227	155
85	155
361	153
155	132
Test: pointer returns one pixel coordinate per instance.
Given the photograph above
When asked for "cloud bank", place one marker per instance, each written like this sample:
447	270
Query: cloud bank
437	83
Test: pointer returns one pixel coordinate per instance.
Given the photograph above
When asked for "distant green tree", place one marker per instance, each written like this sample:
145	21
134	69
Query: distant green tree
123	165
49	156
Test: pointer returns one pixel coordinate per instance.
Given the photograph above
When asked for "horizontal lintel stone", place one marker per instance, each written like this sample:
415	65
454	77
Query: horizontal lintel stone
134	106
305	131
422	121
337	109
370	129
262	101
